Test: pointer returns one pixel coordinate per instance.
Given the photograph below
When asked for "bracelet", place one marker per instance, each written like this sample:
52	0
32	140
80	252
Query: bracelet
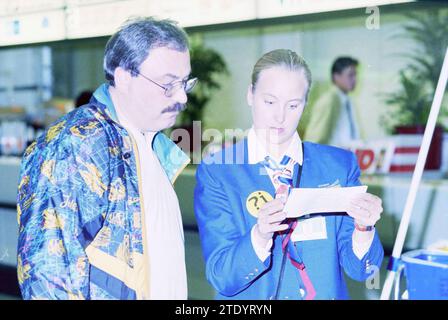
363	228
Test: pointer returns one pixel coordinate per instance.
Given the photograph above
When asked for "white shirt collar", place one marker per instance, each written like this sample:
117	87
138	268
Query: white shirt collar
257	152
343	96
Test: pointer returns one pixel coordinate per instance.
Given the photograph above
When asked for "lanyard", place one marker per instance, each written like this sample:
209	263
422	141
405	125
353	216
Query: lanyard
299	176
282	268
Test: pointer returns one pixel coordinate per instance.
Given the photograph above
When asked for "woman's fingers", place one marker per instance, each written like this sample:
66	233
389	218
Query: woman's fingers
276	217
270	217
366	209
280	227
269	229
367	201
271	208
364	216
273	203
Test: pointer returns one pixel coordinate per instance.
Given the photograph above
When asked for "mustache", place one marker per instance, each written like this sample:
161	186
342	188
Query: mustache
177	107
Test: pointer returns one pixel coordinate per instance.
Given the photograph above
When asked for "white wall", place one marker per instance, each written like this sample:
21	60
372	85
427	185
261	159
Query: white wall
319	39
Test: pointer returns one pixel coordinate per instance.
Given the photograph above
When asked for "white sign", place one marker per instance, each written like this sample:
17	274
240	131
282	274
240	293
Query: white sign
33	27
279	8
102	19
27	21
373	156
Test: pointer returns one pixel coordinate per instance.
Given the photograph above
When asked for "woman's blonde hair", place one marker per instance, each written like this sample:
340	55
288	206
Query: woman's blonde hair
281	58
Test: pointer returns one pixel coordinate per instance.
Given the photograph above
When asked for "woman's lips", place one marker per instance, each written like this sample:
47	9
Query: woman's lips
278	130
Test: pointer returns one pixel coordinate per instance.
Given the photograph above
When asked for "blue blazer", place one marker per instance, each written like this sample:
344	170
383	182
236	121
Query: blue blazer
224	182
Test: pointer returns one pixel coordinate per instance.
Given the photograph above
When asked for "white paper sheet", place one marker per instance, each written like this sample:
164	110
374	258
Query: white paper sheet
303	201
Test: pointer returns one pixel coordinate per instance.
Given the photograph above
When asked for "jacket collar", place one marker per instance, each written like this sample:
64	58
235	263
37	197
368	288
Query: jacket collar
171	157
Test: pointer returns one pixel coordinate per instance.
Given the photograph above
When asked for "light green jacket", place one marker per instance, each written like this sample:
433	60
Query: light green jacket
318	123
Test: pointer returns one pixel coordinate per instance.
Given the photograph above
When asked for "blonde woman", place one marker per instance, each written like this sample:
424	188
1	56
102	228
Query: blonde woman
251	250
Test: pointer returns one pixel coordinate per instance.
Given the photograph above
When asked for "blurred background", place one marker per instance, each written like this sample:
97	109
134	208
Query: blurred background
51	58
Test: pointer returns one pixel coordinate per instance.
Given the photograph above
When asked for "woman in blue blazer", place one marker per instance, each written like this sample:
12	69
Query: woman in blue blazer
251	250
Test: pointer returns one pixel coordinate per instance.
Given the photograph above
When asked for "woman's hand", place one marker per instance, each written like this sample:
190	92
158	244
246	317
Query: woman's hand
366	209
270	217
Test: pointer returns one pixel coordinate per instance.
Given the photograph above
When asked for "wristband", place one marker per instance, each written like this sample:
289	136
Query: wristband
363	228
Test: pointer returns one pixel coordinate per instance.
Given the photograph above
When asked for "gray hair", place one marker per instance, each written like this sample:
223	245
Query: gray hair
281	58
130	45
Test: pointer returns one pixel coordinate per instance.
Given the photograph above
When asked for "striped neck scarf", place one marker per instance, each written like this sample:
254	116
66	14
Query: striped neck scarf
282	178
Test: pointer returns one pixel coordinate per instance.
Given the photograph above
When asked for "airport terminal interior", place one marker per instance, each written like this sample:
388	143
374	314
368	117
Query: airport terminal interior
51	57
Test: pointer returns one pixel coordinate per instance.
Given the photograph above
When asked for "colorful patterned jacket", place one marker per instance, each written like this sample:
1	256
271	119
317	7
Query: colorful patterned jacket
80	215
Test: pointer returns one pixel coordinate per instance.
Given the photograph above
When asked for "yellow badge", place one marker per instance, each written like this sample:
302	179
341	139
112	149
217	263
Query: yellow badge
256	200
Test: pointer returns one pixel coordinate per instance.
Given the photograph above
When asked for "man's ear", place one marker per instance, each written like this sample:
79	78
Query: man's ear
250	95
335	77
122	79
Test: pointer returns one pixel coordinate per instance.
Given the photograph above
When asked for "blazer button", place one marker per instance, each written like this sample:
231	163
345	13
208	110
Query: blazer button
127	155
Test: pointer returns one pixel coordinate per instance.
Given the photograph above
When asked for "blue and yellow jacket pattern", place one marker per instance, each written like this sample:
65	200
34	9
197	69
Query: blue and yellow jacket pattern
80	213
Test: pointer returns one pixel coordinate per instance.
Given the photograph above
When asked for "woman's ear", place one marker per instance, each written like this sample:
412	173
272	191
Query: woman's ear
250	95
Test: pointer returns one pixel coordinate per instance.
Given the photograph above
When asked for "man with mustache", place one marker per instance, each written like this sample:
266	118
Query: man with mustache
98	215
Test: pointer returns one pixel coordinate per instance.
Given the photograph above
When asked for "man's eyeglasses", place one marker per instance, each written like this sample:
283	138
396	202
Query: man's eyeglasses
172	88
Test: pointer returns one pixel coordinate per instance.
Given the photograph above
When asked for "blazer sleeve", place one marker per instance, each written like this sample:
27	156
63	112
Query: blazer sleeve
355	268
231	262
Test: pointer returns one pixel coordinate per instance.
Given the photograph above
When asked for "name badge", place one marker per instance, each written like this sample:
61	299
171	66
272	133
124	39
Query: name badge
310	229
